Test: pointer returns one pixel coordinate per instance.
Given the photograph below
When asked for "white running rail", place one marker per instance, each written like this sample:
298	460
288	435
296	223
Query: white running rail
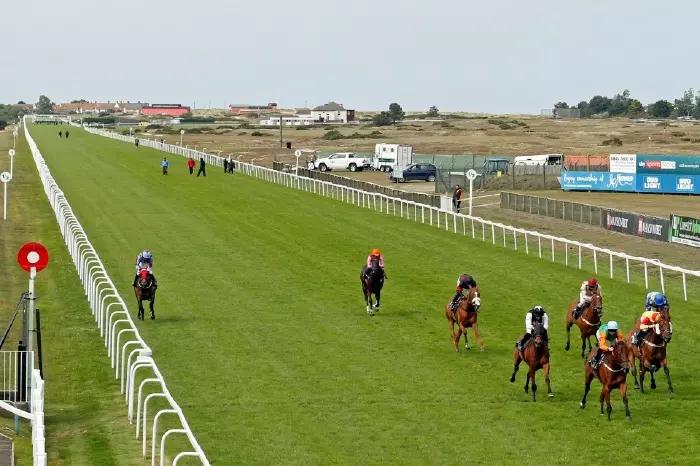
451	221
128	352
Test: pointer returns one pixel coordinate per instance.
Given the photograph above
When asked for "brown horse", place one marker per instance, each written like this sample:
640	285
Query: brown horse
612	373
536	356
588	322
145	290
465	316
651	353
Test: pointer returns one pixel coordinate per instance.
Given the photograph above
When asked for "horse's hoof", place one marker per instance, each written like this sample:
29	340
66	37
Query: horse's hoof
566	348
629	418
153	317
550	394
582	405
636	386
512	379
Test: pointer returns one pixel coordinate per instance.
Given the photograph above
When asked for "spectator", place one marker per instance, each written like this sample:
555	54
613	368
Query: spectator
202	167
230	165
457	198
165	164
60	134
136	142
67	134
190	164
225	166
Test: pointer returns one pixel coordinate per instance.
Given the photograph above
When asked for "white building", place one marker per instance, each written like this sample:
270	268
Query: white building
332	113
296	120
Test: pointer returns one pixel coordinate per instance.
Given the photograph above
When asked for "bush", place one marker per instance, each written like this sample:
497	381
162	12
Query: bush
258	133
150	127
443	124
612	142
504	125
301	128
332	135
3	124
383	119
242	133
677	133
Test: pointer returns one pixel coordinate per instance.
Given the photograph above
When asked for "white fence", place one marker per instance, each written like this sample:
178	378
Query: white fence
18	374
129	353
531	242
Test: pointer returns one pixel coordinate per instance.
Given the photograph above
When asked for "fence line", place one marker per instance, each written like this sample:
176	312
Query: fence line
115	325
434	216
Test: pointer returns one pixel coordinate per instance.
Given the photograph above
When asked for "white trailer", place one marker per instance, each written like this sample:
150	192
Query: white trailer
542	159
389	157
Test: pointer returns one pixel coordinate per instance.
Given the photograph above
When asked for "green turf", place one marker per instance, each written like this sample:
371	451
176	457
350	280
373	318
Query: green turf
263	339
85	416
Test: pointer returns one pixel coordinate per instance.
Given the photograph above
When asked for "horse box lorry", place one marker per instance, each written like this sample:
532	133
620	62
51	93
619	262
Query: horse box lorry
387	157
543	159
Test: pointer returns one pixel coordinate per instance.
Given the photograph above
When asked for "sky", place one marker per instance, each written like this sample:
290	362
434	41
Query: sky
502	56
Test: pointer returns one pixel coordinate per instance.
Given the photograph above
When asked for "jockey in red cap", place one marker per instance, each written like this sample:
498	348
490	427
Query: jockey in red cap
589	288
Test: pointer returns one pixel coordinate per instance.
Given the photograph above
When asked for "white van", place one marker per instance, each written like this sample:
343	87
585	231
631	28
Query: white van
542	159
387	157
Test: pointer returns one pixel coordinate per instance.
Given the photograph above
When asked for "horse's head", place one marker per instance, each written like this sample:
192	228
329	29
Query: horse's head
474	298
620	355
596	304
538	334
144	278
664	327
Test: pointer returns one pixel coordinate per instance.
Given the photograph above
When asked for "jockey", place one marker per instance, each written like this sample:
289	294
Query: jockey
145	260
606	334
536	315
376	254
464	281
588	289
650	317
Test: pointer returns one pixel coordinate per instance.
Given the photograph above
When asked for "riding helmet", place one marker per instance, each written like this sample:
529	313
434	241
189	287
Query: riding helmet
660	300
612	325
376	252
538	310
592	282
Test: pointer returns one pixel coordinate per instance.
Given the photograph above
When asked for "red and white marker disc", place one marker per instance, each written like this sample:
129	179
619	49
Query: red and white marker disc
33	255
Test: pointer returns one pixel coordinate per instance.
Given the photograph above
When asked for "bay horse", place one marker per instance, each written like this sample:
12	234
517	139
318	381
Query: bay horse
465	316
536	356
372	280
651	353
588	322
612	373
145	290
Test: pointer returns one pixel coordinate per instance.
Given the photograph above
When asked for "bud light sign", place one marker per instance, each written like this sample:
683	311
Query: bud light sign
673	184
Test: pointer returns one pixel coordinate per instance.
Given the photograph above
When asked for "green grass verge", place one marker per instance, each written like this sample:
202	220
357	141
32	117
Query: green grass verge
85	415
262	336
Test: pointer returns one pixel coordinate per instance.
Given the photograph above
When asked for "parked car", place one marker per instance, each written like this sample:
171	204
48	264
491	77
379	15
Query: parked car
416	171
342	161
494	165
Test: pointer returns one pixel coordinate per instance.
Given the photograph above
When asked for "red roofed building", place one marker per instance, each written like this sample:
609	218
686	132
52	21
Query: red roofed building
174	110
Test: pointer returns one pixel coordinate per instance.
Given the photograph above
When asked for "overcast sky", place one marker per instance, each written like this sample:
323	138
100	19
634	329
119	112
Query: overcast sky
508	56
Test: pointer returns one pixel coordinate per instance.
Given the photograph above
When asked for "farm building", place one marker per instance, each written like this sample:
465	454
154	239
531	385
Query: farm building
288	120
332	112
174	110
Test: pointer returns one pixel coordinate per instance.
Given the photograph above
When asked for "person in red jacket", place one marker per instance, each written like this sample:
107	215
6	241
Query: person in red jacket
190	165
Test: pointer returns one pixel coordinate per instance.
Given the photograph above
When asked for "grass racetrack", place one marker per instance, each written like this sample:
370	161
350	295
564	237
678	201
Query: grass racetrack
262	337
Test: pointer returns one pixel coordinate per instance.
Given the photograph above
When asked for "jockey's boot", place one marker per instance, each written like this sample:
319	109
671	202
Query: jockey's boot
155	282
639	338
136	277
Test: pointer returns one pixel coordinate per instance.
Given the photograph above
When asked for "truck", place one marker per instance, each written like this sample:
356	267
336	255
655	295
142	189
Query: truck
387	157
342	161
543	159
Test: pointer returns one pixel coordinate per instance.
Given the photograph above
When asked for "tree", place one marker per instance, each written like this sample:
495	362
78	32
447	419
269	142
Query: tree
396	112
661	109
685	106
44	105
21	102
3	124
635	108
432	111
561	105
619	103
79	101
382	119
599	104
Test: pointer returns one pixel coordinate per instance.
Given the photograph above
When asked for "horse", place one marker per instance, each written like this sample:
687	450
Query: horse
465	316
145	291
612	373
588	322
536	356
651	353
372	280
